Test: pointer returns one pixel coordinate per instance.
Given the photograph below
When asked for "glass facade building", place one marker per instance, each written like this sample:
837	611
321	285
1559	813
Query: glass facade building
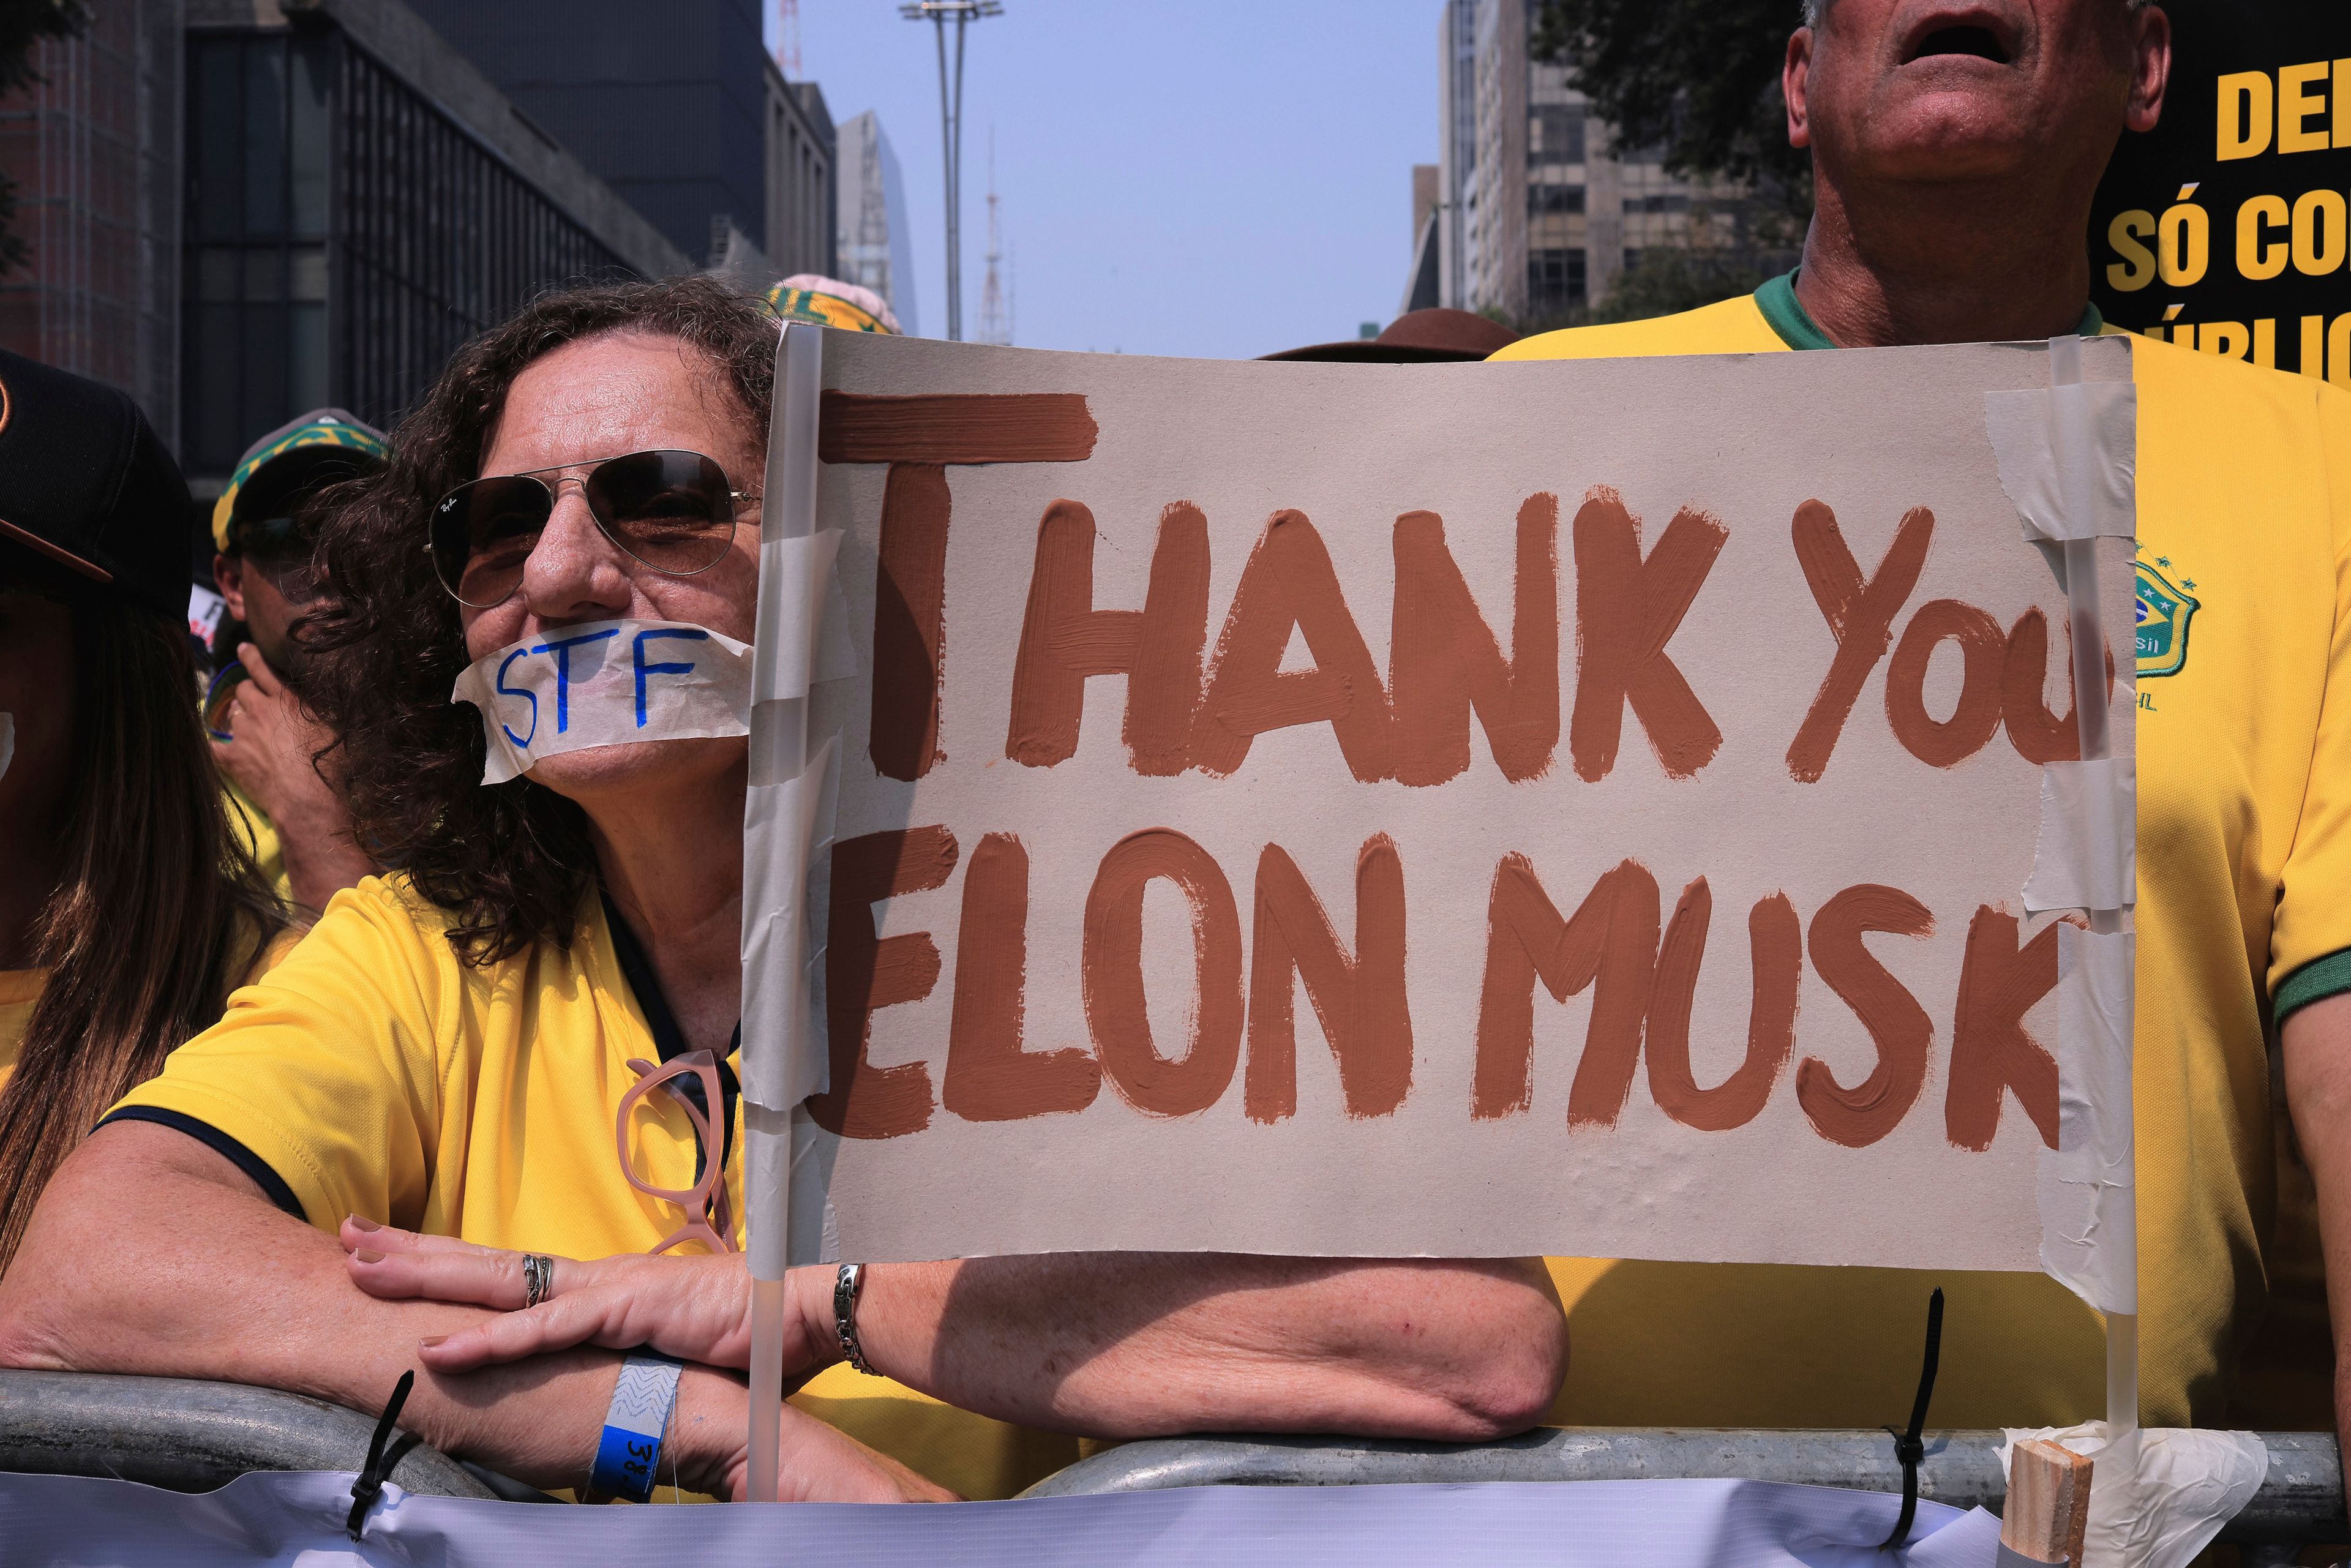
344	233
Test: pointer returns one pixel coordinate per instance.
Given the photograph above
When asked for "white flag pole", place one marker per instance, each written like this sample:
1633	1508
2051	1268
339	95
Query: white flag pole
778	754
2072	440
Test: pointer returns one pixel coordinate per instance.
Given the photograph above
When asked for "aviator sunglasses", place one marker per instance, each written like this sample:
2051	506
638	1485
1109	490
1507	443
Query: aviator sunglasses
673	511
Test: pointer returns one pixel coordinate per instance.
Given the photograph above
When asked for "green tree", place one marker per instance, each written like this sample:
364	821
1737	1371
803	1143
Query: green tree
1699	78
23	25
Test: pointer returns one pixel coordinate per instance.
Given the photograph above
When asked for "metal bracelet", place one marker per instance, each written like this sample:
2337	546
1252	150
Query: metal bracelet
845	1287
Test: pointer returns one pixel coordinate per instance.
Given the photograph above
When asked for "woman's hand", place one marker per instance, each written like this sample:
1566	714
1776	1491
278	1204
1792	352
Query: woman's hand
694	1308
818	1463
814	1462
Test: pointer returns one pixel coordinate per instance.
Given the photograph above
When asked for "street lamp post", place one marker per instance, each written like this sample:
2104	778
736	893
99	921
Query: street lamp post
961	12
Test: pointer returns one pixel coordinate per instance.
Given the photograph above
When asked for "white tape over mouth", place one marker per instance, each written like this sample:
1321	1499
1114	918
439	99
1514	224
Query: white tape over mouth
605	683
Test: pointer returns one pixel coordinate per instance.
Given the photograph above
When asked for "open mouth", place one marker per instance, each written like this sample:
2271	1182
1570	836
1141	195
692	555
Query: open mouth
1980	42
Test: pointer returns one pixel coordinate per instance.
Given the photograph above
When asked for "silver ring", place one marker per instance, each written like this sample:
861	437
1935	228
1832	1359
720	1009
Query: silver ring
538	1278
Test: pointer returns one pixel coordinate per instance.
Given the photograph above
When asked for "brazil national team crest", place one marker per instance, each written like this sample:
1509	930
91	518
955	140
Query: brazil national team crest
2165	609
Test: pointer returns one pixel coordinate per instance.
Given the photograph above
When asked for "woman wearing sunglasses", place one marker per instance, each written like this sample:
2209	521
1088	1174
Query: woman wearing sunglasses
515	1056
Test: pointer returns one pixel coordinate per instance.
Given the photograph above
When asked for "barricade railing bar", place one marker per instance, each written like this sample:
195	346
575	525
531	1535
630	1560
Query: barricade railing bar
2300	1502
194	1436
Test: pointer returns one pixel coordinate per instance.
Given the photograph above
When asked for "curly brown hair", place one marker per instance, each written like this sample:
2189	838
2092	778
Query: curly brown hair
511	861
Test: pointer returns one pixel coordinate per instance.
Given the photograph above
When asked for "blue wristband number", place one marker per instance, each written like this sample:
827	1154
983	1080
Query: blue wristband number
628	1454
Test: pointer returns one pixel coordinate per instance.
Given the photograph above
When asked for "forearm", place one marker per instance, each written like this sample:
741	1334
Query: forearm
2317	1054
1137	1344
198	1278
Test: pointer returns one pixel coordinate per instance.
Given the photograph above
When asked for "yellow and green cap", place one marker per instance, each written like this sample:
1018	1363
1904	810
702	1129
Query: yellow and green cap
830	302
321	447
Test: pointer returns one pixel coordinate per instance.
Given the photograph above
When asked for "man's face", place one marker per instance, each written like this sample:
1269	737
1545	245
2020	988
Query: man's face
269	588
1971	90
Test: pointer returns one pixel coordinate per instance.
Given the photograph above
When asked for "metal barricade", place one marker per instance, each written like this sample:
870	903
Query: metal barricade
191	1436
2300	1502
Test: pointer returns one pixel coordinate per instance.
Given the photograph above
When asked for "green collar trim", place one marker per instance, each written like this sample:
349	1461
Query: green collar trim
1777	299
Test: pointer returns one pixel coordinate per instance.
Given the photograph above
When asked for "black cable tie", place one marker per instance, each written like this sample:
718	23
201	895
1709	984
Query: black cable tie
381	1460
1910	1447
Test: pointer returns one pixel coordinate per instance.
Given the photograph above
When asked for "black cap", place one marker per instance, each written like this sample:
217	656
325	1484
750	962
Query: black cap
85	481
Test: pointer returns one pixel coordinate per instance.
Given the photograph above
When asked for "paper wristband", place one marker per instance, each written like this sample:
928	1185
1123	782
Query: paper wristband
628	1454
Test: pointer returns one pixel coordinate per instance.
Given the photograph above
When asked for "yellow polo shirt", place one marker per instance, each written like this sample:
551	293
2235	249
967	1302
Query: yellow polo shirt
2244	912
370	1072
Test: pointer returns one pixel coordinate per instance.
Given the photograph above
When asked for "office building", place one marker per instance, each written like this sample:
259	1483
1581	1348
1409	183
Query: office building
676	108
803	179
93	151
876	245
240	209
360	200
1538	207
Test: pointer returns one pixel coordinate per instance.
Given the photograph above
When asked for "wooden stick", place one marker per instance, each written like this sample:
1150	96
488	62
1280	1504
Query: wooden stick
2048	1503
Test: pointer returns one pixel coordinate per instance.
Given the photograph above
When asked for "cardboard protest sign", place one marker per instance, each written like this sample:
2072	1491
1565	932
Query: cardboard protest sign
1579	808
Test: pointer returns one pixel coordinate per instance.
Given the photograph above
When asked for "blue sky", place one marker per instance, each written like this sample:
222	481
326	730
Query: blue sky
1200	177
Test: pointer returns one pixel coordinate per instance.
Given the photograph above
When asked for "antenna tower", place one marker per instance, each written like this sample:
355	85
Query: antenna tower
994	325
786	39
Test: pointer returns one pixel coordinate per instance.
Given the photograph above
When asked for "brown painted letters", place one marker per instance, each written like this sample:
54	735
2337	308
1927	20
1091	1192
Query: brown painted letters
989	1077
1360	1001
920	437
1860	616
1859	1116
1443	659
1113	964
1064	638
1990	1051
1626	609
1612	939
1983	652
1776	939
910	620
2039	735
863	976
1289	584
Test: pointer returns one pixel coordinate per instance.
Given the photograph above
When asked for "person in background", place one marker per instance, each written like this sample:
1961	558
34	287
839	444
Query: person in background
830	302
443	1068
1437	336
128	910
1954	154
291	818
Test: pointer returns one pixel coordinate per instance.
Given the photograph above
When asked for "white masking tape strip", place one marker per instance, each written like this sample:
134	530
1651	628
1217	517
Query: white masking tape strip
7	742
790	823
2087	854
816	1223
2103	417
605	683
2088	1193
2160	1497
804	623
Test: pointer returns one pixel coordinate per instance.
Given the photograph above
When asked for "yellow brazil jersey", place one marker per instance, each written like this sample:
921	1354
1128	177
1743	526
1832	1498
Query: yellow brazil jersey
2244	911
373	1073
